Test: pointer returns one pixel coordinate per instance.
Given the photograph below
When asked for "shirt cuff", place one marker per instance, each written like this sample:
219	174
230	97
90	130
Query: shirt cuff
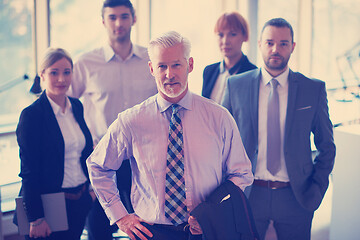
243	182
116	212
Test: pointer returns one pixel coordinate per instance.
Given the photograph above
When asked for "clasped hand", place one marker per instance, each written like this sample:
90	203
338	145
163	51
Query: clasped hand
194	226
39	229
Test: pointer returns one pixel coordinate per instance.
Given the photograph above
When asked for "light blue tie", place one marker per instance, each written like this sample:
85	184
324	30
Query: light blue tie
273	129
175	208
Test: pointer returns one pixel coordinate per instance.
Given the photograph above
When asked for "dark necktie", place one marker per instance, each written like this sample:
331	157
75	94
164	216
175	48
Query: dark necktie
175	208
273	129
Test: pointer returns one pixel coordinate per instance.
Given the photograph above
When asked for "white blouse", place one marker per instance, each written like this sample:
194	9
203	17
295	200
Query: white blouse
74	140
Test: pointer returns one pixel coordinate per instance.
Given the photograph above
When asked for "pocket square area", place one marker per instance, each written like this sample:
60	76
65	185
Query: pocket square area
225	198
304	108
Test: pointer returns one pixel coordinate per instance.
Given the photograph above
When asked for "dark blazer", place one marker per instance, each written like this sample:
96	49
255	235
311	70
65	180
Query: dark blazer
307	112
211	73
42	152
226	214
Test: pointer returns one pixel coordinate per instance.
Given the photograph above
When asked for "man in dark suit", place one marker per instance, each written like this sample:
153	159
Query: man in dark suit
276	119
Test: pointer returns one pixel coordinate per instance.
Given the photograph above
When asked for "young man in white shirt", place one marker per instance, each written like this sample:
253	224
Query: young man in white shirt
109	80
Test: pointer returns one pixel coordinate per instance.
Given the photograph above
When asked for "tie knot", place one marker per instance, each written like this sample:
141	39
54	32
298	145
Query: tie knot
274	83
175	108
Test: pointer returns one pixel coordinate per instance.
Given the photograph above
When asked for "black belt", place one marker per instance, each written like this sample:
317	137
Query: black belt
271	184
184	227
76	192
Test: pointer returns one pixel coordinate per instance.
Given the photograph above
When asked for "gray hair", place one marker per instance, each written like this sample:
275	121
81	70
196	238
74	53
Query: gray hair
170	39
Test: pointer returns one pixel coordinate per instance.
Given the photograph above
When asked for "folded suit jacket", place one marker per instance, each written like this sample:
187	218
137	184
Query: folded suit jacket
226	214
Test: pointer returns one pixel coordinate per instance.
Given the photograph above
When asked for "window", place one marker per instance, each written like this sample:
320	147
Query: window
73	28
17	61
336	48
16	54
336	56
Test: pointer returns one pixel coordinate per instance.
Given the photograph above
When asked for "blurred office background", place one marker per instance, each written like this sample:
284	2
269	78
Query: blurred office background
328	48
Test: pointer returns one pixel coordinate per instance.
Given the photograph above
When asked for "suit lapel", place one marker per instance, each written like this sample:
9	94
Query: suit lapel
78	117
88	144
254	107
292	92
75	112
53	128
254	101
213	79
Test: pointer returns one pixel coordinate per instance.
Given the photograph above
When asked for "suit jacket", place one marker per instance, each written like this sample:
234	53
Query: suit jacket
211	73
307	112
226	214
42	152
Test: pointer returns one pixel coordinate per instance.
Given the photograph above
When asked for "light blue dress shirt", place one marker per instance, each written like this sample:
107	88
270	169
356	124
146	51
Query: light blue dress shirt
213	152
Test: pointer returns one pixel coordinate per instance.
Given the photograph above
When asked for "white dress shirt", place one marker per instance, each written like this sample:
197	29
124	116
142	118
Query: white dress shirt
218	91
213	152
261	171
107	85
74	141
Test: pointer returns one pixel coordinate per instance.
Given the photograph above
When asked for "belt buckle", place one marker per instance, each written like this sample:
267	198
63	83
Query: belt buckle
271	187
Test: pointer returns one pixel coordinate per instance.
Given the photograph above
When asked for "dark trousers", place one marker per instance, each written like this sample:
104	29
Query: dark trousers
98	225
291	221
167	232
77	211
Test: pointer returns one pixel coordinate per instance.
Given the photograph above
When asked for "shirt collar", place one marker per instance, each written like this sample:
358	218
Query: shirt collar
222	67
138	52
135	51
282	78
235	68
57	109
185	102
108	52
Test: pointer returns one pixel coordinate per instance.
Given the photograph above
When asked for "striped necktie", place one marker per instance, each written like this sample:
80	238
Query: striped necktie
175	208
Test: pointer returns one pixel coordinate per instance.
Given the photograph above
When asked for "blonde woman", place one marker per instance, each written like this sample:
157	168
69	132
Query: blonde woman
54	143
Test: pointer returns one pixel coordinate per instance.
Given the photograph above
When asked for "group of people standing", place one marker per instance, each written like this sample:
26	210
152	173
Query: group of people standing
140	151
